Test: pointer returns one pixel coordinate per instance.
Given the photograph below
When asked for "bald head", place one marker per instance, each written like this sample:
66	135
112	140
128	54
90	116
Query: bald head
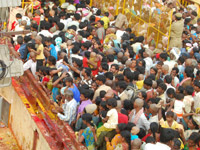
165	67
154	108
139	103
32	54
128	63
39	38
120	55
136	144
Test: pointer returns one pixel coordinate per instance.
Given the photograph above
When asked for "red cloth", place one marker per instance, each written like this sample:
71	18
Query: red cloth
145	137
37	19
17	47
13	26
122	118
95	72
149	94
45	79
85	62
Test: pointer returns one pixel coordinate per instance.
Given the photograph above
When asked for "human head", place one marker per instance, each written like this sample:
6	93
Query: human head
148	83
136	144
69	95
168	79
111	103
170	116
38	39
68	81
120	127
33	56
139	103
193	139
121	86
126	137
101	79
85	95
161	88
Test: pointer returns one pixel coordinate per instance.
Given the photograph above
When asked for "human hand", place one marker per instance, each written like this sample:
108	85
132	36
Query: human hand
107	139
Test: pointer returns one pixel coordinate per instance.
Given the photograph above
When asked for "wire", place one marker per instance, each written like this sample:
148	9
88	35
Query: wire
4	68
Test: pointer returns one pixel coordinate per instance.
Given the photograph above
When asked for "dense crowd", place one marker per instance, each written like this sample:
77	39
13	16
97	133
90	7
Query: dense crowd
115	89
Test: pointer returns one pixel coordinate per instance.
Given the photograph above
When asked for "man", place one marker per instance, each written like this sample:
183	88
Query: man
121	89
31	64
100	30
100	80
176	31
114	69
166	141
85	77
154	111
137	115
68	108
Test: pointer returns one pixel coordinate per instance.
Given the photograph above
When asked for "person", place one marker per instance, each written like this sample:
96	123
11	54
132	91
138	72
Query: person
100	30
137	115
176	31
111	119
88	134
31	64
68	110
117	138
39	53
50	48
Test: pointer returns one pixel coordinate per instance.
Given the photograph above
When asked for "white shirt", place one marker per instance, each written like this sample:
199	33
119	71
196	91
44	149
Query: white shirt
142	121
69	110
30	64
46	33
56	33
154	119
149	63
76	23
157	146
188	100
178	107
76	56
113	119
197	100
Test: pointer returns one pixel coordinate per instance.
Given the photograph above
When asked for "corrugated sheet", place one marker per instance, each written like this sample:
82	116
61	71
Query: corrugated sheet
10	3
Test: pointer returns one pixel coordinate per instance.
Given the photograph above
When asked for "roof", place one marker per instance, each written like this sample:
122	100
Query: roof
10	3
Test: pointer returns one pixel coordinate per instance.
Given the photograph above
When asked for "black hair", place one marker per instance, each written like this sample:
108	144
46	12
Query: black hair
141	60
166	135
164	56
129	126
103	104
121	126
98	13
88	118
189	90
152	77
110	58
136	75
127	136
181	59
88	71
162	86
125	112
85	93
60	26
77	61
181	89
176	69
197	83
68	79
148	82
144	94
112	102
109	75
150	139
122	85
82	25
194	13
159	81
98	100
116	66
170	114
30	45
18	15
128	30
77	16
101	78
177	143
73	27
140	69
195	137
179	96
104	66
154	128
101	22
168	79
142	133
120	77
27	39
170	91
140	39
102	93
52	59
128	105
129	75
75	49
189	71
155	69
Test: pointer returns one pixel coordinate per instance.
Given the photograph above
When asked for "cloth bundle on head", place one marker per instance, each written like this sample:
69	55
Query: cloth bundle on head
135	130
121	21
91	108
64	5
176	52
71	9
70	34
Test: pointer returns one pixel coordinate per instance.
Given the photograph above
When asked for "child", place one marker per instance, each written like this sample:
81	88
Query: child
134	131
161	93
140	81
188	99
19	42
170	99
117	138
92	63
126	141
142	95
111	118
51	48
39	53
148	86
89	133
84	97
179	106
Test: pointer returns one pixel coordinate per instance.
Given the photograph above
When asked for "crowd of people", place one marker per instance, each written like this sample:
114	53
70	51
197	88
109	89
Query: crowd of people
116	91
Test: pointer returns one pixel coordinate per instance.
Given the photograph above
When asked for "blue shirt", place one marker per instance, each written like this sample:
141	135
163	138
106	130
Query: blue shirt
133	137
53	51
22	51
76	93
55	92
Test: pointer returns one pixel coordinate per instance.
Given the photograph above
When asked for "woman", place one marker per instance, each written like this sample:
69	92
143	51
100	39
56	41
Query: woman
188	77
153	132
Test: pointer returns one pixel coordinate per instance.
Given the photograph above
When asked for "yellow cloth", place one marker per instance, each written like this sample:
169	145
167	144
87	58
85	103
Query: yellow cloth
140	84
106	21
116	140
175	125
41	55
102	129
